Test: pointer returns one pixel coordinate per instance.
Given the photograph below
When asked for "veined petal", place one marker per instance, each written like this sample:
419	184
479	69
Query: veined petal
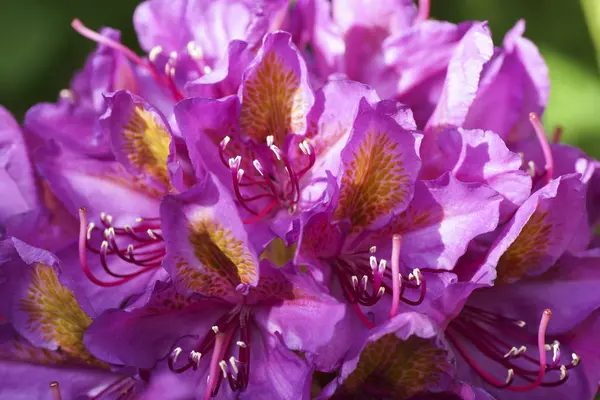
208	250
392	16
540	231
275	93
380	165
141	139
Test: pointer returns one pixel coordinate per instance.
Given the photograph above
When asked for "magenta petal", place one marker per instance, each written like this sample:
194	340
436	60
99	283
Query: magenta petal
541	231
208	247
462	79
498	106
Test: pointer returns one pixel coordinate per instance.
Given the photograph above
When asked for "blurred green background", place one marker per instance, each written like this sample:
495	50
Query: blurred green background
39	50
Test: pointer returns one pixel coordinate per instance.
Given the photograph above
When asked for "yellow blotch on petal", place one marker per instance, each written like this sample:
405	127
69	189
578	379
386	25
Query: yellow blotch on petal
53	313
147	144
405	367
278	253
273	103
374	182
225	260
527	250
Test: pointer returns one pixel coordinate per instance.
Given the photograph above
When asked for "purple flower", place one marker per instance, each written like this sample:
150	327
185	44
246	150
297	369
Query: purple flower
275	143
529	265
232	325
41	336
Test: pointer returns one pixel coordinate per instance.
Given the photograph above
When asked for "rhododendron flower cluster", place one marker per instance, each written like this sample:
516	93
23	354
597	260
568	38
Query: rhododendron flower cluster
298	200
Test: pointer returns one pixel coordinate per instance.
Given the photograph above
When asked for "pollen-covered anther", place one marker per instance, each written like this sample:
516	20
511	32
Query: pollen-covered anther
240	175
555	351
223	366
365	281
151	233
67	94
373	249
520	324
175	353
206	69
215	329
531	168
354	282
574	359
233	362
195	357
234	162
154	53
258	166
90	228
241	344
277	152
195	51
510	375
305	147
513	352
270	140
416	275
563	373
223	144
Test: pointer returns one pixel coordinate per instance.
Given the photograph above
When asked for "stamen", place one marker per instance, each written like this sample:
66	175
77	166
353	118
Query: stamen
176	354
196	357
520	324
225	142
423	13
541	135
258	167
354	282
55	390
233	362
240	174
396	244
515	352
241	344
557	135
365	280
206	69
270	140
531	168
215	329
67	94
151	234
509	376
575	359
195	51
91	227
223	366
154	52
563	373
373	249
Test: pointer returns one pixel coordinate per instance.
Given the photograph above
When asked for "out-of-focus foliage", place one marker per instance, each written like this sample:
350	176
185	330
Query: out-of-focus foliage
40	50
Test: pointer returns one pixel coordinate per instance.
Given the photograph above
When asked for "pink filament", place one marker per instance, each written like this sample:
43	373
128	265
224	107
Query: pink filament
424	7
397	243
541	135
83	223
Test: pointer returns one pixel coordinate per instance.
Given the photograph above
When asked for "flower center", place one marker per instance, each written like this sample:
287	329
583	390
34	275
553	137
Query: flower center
219	341
273	180
500	340
141	245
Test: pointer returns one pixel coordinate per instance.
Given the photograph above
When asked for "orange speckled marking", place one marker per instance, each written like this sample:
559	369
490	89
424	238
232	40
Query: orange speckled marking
405	367
374	181
147	144
527	250
225	260
273	103
55	315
